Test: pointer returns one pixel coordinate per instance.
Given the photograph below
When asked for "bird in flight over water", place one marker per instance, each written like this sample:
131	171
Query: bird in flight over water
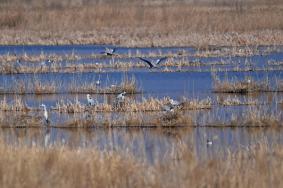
151	63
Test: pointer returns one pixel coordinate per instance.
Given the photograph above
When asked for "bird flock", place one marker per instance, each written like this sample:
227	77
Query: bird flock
120	98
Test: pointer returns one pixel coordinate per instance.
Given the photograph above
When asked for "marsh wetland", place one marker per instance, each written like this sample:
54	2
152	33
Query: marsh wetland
227	93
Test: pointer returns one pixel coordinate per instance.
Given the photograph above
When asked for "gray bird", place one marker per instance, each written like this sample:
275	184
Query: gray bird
153	64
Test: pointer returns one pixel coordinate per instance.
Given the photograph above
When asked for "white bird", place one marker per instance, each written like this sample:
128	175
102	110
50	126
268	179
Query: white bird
50	61
121	96
90	100
208	142
98	82
153	64
168	108
109	51
174	103
45	114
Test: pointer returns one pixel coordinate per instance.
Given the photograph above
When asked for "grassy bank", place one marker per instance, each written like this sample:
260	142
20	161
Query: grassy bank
142	23
257	166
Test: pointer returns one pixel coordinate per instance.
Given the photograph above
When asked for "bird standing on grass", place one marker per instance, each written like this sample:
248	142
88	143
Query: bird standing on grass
90	100
121	96
167	108
45	114
174	103
153	64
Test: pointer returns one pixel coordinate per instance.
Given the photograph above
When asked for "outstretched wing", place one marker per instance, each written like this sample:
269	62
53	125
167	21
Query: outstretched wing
110	51
147	61
160	60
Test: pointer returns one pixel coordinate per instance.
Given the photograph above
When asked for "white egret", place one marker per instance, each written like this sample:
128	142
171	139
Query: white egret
153	64
98	82
45	114
174	102
209	142
90	100
121	96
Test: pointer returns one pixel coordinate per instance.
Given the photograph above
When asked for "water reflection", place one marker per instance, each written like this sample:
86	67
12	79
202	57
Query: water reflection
149	145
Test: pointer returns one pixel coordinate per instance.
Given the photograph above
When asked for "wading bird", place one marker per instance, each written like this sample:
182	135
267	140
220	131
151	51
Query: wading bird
90	100
121	97
98	82
174	103
45	114
168	108
153	64
208	142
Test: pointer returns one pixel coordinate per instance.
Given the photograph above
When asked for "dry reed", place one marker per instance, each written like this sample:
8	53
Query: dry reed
243	87
256	166
148	24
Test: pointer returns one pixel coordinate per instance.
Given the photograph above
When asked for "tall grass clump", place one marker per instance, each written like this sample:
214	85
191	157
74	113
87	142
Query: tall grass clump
243	87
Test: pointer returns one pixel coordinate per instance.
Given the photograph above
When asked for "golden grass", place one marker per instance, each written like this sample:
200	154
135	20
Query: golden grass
37	87
130	105
148	24
105	115
257	166
235	101
244	87
17	105
260	117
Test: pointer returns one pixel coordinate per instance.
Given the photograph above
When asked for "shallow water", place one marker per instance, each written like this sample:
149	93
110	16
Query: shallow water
148	144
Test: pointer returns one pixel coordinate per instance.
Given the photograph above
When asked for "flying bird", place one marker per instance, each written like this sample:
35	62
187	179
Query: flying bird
109	51
151	63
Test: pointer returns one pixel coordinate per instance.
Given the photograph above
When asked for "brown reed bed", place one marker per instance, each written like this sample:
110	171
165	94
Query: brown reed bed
244	87
256	116
37	87
128	85
148	24
16	105
236	101
42	57
256	166
130	105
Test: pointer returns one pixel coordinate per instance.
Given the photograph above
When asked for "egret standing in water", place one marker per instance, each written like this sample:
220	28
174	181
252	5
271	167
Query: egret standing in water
45	114
90	100
98	82
153	64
